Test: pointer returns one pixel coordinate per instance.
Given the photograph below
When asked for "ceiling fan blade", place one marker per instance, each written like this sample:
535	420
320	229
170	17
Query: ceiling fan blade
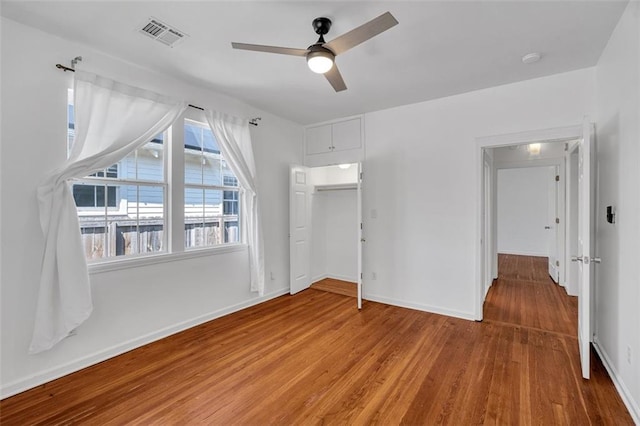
335	79
362	33
270	49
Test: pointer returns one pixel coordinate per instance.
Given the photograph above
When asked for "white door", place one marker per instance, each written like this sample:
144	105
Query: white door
300	189
360	237
584	247
552	227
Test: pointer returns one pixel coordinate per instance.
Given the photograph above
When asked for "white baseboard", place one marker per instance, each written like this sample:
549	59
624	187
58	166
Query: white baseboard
343	278
37	379
333	276
419	307
524	253
622	389
319	278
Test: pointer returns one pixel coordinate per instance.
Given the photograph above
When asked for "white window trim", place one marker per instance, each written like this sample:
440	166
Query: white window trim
141	260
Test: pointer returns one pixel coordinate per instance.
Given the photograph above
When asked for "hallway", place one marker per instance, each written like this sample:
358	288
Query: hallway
525	295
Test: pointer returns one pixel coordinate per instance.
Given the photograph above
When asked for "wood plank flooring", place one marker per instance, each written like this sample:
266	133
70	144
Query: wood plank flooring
345	288
313	358
525	295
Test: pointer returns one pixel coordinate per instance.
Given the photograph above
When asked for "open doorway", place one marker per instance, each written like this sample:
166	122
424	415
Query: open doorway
573	240
325	229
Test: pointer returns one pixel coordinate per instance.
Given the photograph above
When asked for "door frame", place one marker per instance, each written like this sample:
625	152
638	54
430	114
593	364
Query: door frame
496	141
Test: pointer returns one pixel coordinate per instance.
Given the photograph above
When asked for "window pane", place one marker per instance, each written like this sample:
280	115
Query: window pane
123	225
230	203
84	195
211	169
231	232
150	162
209	143
94	240
193	159
145	163
213	203
203	211
151	219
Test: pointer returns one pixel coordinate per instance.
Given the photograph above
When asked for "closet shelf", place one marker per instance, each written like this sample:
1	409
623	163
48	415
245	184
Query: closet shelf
336	187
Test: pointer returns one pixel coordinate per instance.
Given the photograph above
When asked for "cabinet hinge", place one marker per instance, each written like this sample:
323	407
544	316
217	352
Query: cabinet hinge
557	178
557	220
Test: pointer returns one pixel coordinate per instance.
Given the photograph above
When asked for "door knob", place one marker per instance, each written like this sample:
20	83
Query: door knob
547	227
362	240
576	258
596	260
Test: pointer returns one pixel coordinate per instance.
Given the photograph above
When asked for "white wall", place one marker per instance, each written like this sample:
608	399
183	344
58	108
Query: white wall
132	306
342	235
421	177
319	236
618	150
523	210
334	225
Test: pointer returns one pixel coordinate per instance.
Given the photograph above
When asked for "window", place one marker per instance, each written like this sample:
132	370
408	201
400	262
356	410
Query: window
211	190
97	195
122	209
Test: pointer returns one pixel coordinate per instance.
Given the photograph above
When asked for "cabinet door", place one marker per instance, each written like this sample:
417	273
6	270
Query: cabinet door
318	140
346	135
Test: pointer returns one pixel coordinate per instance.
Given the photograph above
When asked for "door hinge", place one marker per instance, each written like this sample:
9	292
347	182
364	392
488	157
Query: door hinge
360	225
566	146
360	175
360	275
557	178
557	263
557	220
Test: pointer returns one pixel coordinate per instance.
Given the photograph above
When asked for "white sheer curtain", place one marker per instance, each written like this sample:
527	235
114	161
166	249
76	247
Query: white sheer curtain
111	120
232	134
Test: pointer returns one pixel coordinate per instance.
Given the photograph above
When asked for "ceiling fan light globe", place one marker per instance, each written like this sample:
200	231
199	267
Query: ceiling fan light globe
319	62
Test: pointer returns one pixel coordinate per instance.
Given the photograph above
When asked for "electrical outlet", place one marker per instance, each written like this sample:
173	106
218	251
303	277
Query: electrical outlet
374	276
629	354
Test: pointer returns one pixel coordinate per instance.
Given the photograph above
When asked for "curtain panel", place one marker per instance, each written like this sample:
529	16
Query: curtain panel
111	120
234	139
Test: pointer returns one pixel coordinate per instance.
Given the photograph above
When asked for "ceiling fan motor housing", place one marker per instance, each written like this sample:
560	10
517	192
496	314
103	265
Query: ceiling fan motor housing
321	25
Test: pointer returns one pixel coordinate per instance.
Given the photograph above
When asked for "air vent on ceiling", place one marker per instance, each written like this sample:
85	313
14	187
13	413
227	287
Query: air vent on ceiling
162	32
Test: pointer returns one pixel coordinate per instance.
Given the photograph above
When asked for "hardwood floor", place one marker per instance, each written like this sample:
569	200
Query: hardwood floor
345	288
313	358
525	295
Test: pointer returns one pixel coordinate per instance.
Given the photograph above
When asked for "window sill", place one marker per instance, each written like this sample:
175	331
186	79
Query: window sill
138	261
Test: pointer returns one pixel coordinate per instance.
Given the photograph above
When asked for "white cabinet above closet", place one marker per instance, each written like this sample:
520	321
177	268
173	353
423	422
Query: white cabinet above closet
336	142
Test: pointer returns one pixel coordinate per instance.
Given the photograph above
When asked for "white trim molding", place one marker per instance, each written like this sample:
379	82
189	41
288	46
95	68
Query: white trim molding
622	389
495	141
419	307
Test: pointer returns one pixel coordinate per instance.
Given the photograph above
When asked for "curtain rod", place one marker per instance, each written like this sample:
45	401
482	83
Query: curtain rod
253	121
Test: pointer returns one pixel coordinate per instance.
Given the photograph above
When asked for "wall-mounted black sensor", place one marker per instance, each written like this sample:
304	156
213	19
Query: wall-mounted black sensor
611	216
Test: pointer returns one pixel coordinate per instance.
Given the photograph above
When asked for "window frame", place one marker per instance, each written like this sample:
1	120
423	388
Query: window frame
173	188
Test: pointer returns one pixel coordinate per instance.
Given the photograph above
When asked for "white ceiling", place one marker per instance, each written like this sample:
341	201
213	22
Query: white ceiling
438	49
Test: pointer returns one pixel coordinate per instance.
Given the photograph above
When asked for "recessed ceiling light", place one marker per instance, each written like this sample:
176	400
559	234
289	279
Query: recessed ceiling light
531	58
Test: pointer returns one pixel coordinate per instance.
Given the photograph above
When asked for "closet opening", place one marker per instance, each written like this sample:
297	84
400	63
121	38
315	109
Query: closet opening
325	229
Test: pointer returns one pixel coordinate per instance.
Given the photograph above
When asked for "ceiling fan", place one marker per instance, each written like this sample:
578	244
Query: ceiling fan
321	55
